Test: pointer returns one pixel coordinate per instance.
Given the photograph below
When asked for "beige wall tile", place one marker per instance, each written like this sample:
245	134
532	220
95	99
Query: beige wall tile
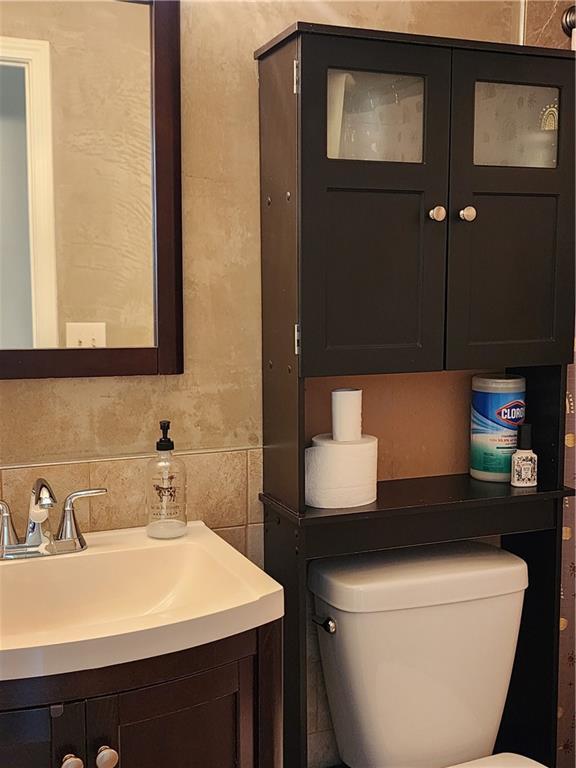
311	698
217	488
543	24
124	506
255	507
255	544
323	717
234	536
63	478
322	750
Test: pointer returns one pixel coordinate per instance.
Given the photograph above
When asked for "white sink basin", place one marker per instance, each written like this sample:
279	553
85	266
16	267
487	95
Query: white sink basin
127	597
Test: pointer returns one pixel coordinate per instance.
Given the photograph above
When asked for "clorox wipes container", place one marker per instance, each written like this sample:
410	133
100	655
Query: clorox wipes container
498	408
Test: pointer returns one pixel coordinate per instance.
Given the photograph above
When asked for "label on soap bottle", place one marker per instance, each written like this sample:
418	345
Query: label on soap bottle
167	499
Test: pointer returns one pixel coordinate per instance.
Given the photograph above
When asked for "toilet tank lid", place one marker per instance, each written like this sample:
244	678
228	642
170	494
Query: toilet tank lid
504	760
418	576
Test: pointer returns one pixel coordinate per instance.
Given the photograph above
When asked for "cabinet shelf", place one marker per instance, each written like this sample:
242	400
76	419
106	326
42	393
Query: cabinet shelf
419	494
422	494
422	510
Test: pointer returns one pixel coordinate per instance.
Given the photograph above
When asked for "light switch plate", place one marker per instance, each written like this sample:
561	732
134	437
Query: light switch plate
85	334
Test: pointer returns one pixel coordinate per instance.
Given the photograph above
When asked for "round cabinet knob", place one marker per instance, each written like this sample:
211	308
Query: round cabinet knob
438	213
71	761
107	758
468	214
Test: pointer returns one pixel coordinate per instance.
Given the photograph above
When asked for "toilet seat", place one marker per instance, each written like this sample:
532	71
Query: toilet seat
504	760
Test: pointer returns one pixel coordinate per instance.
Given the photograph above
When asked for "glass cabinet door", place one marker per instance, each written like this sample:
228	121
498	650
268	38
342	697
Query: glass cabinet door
375	116
511	238
515	125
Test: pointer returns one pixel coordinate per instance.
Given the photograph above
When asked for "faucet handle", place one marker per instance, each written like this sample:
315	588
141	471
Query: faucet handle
72	497
68	530
8	535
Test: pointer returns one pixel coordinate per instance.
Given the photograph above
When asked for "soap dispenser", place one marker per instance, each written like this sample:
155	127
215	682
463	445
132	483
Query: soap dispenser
166	490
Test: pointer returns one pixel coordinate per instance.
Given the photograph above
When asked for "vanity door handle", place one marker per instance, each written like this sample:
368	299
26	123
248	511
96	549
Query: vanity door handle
468	214
71	761
438	213
107	757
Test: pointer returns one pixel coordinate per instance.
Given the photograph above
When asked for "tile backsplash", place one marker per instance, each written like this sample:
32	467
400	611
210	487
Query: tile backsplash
223	488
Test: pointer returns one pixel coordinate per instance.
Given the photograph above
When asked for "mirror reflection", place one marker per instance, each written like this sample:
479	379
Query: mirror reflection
76	221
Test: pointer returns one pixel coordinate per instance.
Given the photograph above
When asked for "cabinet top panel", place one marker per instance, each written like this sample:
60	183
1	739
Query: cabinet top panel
303	27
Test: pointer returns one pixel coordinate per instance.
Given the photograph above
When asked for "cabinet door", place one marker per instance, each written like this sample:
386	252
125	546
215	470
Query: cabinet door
511	264
25	738
201	721
40	738
374	159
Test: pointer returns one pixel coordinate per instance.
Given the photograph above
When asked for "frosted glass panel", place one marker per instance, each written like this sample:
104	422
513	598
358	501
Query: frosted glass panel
375	116
516	125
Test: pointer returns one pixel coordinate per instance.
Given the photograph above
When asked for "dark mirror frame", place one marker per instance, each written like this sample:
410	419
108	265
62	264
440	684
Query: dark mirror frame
167	356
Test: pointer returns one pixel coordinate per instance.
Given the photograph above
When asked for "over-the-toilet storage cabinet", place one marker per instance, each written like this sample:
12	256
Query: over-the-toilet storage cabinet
417	215
385	287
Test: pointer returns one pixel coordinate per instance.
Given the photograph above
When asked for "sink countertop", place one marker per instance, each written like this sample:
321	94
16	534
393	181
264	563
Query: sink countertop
127	597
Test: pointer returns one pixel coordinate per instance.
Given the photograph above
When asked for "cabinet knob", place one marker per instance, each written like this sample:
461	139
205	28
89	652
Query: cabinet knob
71	761
438	213
107	758
468	214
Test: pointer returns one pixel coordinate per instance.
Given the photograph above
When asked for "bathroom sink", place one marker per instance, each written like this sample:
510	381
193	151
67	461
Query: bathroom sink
127	597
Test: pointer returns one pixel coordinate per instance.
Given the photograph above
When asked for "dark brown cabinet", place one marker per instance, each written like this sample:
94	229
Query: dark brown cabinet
216	706
372	261
203	720
511	269
425	196
26	738
417	214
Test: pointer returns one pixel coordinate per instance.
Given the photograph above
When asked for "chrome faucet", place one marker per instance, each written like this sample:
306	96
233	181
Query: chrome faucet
38	539
42	500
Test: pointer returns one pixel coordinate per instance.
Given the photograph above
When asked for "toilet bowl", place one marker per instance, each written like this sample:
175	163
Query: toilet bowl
417	671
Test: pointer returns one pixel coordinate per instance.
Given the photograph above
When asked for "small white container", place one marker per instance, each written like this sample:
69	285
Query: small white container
524	460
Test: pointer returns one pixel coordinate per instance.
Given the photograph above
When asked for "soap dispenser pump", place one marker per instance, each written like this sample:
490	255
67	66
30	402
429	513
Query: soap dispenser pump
166	490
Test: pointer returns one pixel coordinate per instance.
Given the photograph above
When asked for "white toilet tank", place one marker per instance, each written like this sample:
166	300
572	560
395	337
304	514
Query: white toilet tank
418	669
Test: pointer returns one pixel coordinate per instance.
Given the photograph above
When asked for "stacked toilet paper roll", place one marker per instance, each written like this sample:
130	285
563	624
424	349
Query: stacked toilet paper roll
341	468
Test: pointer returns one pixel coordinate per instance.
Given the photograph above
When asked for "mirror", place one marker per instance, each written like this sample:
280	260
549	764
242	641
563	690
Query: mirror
90	228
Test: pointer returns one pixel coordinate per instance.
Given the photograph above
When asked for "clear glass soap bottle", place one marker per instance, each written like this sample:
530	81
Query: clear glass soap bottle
166	490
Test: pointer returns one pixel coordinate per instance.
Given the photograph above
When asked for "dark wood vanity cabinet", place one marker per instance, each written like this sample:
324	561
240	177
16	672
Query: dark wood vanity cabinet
215	706
426	189
202	720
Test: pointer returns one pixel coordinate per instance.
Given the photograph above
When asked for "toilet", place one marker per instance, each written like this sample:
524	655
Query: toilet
418	667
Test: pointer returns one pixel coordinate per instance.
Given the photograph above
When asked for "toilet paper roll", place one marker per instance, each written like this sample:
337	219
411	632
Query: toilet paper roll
340	475
346	414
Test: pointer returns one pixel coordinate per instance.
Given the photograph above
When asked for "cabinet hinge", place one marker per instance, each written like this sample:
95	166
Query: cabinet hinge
297	339
296	76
